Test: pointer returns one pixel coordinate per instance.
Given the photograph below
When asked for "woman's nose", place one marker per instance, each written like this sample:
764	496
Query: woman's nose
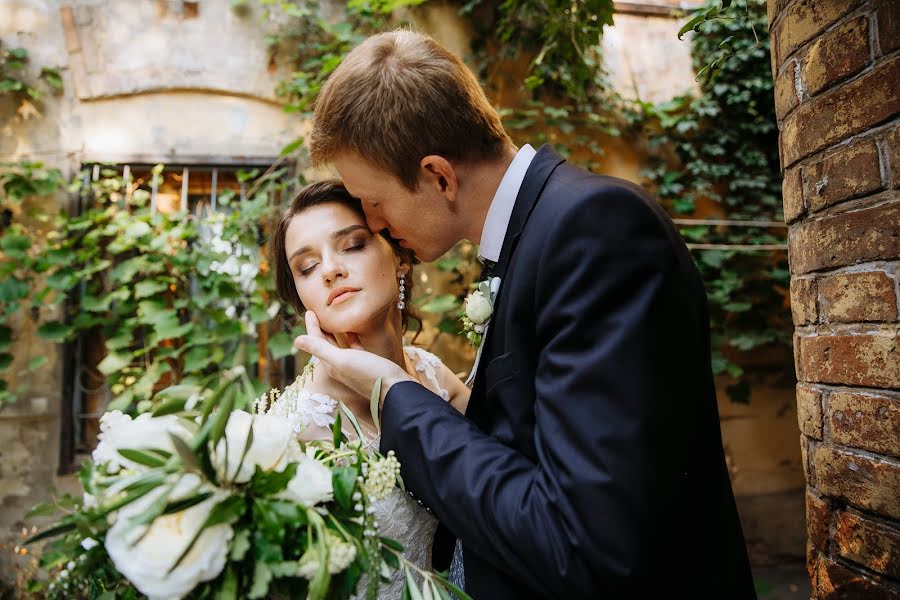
333	268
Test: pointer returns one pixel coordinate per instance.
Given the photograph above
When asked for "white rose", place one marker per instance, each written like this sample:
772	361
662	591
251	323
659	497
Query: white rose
272	437
146	563
311	484
478	307
118	431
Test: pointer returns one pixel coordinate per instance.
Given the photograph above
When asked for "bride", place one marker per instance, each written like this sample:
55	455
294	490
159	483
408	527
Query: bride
357	283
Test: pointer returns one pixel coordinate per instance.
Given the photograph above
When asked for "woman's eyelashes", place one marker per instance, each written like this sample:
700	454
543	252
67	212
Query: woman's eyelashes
353	246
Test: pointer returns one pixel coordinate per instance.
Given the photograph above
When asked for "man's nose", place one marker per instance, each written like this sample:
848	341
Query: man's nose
376	223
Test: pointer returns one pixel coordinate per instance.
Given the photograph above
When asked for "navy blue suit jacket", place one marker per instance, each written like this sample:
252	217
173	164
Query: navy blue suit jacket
590	462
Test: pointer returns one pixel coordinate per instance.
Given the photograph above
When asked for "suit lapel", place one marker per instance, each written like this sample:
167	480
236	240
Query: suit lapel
543	164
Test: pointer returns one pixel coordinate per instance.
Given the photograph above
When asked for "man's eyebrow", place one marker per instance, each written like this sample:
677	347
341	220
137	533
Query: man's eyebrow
336	235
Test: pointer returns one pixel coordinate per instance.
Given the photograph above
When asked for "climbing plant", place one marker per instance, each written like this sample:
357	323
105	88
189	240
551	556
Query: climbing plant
16	81
718	153
173	297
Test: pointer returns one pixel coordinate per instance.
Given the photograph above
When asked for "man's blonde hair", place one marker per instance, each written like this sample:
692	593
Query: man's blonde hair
401	96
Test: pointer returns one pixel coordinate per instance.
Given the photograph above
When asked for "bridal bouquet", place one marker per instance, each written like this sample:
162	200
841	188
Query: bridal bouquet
200	498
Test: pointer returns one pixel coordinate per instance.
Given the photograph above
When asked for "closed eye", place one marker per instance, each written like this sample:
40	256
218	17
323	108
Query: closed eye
307	270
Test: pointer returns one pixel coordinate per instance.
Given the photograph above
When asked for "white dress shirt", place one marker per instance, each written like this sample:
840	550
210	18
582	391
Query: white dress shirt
497	221
496	224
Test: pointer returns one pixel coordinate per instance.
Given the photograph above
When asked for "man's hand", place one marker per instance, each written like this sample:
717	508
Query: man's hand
354	366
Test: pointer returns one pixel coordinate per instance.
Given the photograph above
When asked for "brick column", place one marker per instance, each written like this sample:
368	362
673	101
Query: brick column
836	65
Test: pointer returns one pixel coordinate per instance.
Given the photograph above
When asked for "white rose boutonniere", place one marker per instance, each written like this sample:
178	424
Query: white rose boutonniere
479	307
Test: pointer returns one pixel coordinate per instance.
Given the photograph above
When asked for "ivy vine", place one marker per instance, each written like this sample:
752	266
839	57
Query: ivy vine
720	150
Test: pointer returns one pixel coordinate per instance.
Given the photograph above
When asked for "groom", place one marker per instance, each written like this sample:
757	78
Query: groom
590	462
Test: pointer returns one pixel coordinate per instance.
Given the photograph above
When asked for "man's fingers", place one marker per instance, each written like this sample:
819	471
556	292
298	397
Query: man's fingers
312	325
318	347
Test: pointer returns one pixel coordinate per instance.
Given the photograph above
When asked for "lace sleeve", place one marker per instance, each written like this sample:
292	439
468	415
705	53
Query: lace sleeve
430	366
310	414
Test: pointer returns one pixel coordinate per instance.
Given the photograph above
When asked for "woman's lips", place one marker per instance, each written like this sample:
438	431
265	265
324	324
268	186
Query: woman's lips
341	294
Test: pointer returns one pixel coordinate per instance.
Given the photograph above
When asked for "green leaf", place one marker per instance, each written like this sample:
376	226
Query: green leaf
413	588
262	576
270	483
183	504
221	416
36	362
169	407
141	457
54	531
14	245
54	331
374	402
6	359
336	434
149	287
188	457
343	482
441	304
280	345
113	363
352	418
228	590
240	544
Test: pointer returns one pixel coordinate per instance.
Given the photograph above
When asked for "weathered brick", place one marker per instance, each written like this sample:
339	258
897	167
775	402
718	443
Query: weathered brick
853	297
792	194
774	7
865	420
892	150
809	411
803	300
887	12
818	520
868	543
846	238
862	481
848	173
805	19
837	582
842	112
866	359
786	97
837	55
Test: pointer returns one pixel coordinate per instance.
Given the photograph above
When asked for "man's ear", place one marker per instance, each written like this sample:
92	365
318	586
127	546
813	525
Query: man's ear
439	175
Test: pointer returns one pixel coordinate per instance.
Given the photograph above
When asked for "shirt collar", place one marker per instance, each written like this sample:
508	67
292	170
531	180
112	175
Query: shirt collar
497	221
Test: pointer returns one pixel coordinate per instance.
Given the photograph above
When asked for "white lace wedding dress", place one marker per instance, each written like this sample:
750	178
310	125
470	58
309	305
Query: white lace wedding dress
400	517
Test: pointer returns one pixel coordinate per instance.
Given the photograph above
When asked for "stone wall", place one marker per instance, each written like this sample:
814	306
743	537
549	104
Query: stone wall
837	67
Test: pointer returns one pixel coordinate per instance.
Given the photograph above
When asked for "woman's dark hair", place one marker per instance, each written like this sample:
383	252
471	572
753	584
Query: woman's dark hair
330	190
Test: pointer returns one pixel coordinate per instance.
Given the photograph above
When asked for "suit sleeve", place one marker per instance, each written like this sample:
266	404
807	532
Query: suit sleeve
580	519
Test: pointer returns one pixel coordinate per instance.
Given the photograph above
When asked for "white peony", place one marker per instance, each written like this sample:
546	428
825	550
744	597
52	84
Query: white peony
311	484
120	431
269	450
146	563
478	307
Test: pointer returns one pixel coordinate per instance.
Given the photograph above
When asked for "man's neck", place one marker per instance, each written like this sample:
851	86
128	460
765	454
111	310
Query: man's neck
478	185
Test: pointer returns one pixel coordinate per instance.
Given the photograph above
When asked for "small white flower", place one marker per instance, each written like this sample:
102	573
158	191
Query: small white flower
478	307
63	574
70	565
311	483
88	543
